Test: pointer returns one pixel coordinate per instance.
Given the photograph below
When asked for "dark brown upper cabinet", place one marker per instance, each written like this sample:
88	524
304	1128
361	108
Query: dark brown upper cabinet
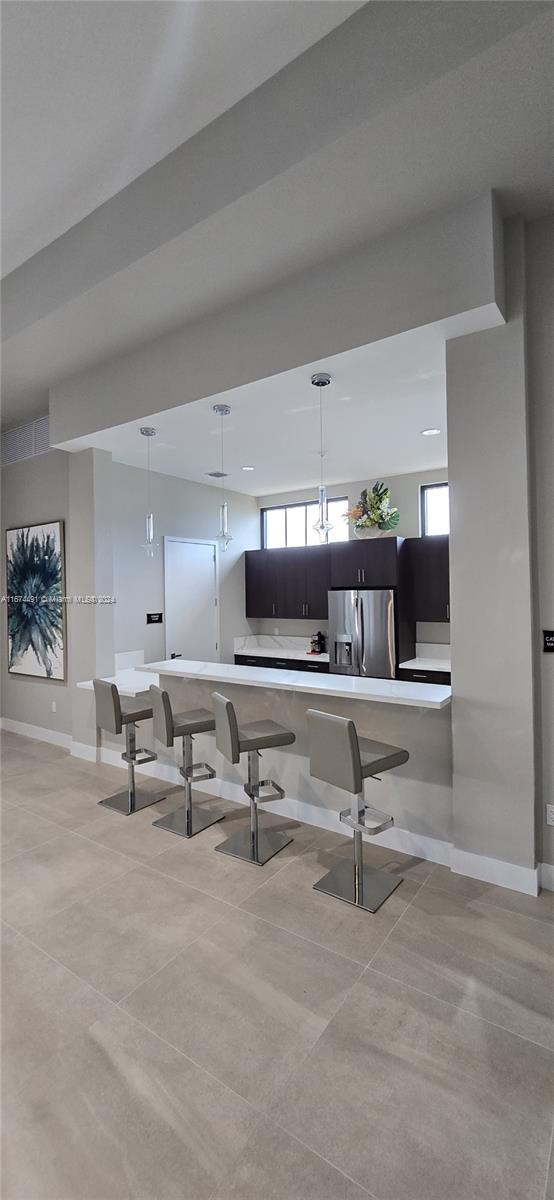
373	562
428	566
291	583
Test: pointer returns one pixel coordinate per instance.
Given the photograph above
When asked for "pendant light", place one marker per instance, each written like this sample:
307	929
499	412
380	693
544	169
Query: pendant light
223	537
149	544
322	526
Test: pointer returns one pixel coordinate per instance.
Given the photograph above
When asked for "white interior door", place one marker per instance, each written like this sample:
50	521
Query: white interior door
191	600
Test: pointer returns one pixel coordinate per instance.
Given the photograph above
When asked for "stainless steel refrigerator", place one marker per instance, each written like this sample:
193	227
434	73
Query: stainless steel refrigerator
362	633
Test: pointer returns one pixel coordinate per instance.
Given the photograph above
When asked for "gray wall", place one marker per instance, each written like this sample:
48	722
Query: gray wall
540	327
181	509
404	495
33	491
492	708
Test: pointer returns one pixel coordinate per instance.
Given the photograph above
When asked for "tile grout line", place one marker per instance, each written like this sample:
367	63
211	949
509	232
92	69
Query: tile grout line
81	900
183	950
306	1146
393	927
259	1114
459	1008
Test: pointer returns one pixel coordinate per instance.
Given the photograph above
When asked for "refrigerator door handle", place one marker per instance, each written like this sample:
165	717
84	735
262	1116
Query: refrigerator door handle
361	640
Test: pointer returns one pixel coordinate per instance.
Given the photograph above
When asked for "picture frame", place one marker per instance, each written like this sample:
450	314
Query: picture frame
36	609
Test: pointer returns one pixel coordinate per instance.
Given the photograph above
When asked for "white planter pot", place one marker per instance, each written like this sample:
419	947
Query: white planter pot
374	532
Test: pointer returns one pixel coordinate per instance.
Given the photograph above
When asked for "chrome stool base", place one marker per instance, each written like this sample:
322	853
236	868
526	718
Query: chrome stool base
241	845
187	822
374	887
122	802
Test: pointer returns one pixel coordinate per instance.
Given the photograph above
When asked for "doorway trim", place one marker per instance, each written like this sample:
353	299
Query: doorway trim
169	537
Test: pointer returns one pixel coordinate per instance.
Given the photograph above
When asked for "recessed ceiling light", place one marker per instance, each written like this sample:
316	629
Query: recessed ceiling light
216	474
247	468
430	432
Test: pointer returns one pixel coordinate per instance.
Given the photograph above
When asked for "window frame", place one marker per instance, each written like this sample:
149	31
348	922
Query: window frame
423	489
296	504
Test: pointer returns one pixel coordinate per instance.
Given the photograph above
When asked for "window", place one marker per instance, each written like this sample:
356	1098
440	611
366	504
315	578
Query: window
293	524
435	509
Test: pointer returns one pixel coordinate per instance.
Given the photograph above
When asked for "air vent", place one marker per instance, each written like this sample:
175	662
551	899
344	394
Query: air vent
26	441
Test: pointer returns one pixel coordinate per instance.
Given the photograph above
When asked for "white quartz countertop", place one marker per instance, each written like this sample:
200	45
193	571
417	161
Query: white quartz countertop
275	652
427	664
352	687
129	682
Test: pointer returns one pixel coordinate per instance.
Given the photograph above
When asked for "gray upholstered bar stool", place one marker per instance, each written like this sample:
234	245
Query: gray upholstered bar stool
113	712
338	756
167	726
253	844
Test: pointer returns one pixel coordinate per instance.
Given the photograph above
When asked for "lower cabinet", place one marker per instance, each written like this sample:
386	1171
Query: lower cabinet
285	664
423	676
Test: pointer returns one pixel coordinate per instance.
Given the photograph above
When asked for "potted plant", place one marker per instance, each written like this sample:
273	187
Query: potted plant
373	514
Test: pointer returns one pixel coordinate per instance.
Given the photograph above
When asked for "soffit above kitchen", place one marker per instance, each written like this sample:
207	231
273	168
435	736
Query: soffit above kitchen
380	399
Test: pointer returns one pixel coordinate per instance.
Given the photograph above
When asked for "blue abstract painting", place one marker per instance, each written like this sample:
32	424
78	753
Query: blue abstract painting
35	599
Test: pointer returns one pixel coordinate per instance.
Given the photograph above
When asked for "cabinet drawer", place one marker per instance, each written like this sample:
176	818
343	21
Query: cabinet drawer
284	664
424	676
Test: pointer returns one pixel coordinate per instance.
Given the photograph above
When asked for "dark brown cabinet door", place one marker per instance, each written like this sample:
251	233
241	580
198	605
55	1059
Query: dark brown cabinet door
429	570
369	563
317	582
291	584
261	584
290	569
346	562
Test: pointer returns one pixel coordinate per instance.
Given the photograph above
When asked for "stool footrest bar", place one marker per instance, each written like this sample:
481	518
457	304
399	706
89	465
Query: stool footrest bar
197	772
255	790
378	821
136	761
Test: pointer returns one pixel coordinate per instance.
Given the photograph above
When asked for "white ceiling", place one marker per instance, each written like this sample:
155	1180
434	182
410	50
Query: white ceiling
380	398
93	94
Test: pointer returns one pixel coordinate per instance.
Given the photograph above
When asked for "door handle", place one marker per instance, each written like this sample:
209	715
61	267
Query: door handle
307	610
273	613
447	612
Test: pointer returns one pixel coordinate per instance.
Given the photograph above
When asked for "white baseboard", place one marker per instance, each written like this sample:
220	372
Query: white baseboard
495	870
37	732
476	866
546	876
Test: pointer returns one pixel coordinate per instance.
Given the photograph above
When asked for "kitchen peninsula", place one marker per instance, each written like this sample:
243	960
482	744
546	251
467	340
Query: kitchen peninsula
413	715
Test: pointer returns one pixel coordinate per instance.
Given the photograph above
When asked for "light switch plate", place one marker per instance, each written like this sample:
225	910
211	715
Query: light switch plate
550	814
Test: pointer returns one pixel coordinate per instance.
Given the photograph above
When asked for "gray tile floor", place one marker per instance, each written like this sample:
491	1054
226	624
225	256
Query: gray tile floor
177	1024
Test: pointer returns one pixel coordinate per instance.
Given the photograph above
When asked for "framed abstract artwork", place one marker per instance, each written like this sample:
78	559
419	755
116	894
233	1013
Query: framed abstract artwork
35	578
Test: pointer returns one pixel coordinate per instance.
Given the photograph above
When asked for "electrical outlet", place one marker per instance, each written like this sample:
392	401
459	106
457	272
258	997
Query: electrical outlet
550	814
54	709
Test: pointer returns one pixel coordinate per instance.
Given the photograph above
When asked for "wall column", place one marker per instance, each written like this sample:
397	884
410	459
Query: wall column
90	573
492	710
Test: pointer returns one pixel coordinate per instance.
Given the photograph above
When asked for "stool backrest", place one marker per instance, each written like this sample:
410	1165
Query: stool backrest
108	706
226	728
334	751
162	715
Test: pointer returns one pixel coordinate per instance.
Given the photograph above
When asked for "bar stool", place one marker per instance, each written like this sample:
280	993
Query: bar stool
253	844
112	713
167	726
339	757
